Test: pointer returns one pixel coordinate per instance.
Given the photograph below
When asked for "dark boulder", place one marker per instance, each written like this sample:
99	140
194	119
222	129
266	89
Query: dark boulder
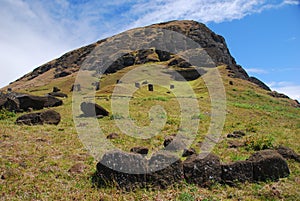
236	134
112	136
124	170
275	94
164	170
37	102
188	152
10	104
240	171
202	171
62	74
93	110
56	89
140	150
259	83
268	165
40	118
58	94
288	153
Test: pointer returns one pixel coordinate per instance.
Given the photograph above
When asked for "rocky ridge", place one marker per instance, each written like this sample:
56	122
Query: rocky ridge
214	45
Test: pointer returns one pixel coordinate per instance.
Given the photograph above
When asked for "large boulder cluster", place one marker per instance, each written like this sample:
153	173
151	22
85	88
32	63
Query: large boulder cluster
131	170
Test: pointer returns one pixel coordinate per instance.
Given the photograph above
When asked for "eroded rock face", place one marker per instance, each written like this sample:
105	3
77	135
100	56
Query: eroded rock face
93	110
40	118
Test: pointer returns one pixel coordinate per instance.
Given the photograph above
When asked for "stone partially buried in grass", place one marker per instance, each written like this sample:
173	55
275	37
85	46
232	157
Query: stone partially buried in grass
93	110
268	165
40	118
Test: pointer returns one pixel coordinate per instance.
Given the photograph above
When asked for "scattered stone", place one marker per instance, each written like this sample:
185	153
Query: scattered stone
9	90
268	165
58	94
46	117
93	110
137	85
172	86
202	171
288	153
236	134
240	171
113	136
168	139
230	82
235	144
56	89
144	82
140	150
188	152
150	87
76	87
62	74
77	168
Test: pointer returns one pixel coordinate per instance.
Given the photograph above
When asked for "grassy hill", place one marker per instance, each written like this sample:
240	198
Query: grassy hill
36	160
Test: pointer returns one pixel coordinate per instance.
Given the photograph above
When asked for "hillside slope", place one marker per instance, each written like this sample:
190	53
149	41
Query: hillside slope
48	162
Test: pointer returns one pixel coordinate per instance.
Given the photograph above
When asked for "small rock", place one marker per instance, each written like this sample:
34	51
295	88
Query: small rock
188	152
140	150
112	136
93	110
288	153
56	89
236	134
58	94
77	168
235	144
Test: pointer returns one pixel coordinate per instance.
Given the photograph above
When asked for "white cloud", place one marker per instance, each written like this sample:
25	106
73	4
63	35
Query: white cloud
288	88
256	70
34	32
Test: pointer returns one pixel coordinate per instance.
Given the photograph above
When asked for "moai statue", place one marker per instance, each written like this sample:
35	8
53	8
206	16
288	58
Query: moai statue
137	85
9	90
78	86
150	87
72	87
97	86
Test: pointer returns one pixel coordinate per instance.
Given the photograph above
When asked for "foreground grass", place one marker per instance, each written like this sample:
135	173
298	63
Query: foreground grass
35	161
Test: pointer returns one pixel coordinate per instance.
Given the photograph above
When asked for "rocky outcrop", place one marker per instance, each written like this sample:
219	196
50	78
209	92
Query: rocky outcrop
40	118
213	44
275	94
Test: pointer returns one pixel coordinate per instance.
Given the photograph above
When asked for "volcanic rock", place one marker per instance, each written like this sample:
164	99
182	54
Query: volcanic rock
40	118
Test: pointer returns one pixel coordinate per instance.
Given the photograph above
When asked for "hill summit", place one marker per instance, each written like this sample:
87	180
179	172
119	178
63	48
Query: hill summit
70	63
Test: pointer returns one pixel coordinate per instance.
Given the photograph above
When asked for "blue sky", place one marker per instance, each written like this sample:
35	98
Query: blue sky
262	35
